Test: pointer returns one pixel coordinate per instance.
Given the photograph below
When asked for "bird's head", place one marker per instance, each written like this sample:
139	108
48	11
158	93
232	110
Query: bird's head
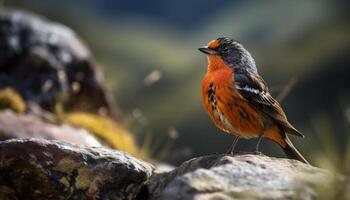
230	51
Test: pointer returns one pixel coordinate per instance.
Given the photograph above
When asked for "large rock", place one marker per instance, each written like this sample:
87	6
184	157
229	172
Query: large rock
244	177
47	63
25	126
41	169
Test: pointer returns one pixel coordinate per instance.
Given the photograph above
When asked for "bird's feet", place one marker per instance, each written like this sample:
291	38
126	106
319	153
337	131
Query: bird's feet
232	153
257	152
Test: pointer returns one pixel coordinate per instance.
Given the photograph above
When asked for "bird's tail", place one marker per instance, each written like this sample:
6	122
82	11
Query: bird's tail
292	152
279	136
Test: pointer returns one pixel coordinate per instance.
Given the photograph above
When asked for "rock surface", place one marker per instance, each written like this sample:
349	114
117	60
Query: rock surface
25	126
243	177
41	169
47	63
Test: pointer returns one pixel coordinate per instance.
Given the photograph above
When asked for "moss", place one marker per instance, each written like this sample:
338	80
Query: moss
10	99
107	130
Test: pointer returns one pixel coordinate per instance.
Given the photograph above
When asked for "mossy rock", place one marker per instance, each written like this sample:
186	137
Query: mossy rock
106	129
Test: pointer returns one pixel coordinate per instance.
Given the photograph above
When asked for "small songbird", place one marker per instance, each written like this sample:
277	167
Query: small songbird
238	101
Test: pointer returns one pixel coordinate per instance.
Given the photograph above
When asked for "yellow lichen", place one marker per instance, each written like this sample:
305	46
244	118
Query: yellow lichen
10	99
106	129
95	184
64	181
82	180
85	181
66	165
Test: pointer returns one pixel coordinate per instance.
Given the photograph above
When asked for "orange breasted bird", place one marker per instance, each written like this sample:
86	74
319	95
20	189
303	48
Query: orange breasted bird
238	101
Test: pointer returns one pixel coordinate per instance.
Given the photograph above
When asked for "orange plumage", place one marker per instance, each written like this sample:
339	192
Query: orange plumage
237	99
229	103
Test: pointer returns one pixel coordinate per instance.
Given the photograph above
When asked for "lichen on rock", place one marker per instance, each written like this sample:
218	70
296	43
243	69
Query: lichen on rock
106	129
42	169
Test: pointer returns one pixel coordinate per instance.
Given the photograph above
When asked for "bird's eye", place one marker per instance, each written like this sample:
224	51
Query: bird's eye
225	50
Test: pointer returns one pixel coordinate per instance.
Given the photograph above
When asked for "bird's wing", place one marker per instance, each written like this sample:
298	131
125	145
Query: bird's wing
254	89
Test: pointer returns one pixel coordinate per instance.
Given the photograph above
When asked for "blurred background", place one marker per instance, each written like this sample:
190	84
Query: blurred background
148	53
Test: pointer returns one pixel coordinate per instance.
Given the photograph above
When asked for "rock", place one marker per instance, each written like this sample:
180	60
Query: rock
243	177
47	63
24	126
42	169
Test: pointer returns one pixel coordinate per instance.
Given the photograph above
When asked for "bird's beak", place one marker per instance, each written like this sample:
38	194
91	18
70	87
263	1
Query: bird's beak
207	50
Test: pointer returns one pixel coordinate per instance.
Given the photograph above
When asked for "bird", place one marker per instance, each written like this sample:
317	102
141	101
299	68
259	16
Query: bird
238	100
